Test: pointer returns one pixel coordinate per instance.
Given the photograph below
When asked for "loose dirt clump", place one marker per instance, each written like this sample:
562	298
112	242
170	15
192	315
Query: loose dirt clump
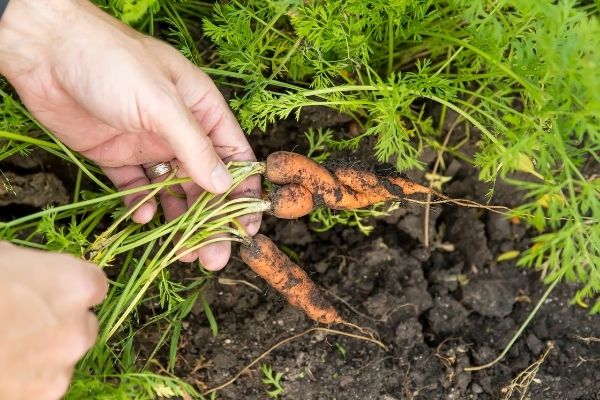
37	190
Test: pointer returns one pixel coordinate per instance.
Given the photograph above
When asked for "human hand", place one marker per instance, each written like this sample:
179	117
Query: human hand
45	322
125	101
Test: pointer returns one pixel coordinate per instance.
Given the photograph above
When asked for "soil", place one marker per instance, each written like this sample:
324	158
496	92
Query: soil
37	190
437	309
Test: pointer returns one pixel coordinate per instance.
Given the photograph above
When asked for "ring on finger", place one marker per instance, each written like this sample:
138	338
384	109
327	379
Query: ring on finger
158	170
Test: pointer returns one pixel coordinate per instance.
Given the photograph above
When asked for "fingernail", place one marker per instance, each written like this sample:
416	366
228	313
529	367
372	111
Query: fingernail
252	227
220	178
144	214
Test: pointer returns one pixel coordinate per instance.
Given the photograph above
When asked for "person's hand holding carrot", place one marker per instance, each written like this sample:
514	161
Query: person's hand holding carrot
126	101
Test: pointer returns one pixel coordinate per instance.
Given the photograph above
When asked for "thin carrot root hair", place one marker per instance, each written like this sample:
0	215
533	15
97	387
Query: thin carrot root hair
463	203
373	334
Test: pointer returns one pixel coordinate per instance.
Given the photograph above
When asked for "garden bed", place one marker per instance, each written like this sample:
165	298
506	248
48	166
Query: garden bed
439	310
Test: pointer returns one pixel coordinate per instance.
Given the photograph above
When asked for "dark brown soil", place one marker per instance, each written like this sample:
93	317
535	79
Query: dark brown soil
37	190
439	309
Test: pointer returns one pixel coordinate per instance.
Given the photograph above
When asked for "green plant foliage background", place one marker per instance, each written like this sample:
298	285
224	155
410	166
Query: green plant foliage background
524	73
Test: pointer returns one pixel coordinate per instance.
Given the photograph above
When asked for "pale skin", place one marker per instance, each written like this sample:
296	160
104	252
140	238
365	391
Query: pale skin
125	101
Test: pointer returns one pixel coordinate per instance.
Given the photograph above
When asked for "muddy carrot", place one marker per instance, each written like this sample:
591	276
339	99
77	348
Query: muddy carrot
284	168
372	187
410	187
345	188
291	281
291	201
392	187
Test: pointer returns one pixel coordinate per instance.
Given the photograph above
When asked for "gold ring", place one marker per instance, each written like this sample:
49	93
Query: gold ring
158	170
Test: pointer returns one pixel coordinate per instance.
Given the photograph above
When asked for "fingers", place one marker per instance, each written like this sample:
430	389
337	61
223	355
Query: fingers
214	256
251	222
62	344
82	285
210	109
73	338
129	177
212	113
175	122
45	299
76	284
215	117
174	204
50	356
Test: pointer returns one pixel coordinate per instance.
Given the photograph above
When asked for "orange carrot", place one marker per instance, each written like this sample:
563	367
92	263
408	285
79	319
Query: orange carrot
373	188
379	187
284	168
345	189
291	201
410	187
288	279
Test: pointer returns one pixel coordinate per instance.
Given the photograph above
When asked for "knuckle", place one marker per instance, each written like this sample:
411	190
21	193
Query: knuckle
205	147
162	109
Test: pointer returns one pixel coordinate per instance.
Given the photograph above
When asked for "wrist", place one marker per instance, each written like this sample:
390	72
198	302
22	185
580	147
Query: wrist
29	29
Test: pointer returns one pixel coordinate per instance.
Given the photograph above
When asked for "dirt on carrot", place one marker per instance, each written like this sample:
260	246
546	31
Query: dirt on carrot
291	201
291	281
340	187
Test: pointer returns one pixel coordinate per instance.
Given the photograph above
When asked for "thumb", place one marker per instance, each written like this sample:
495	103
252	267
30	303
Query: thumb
191	145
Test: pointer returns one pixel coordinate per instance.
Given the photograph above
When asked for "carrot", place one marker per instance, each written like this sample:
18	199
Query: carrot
369	185
368	182
410	187
284	168
343	189
291	201
291	281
